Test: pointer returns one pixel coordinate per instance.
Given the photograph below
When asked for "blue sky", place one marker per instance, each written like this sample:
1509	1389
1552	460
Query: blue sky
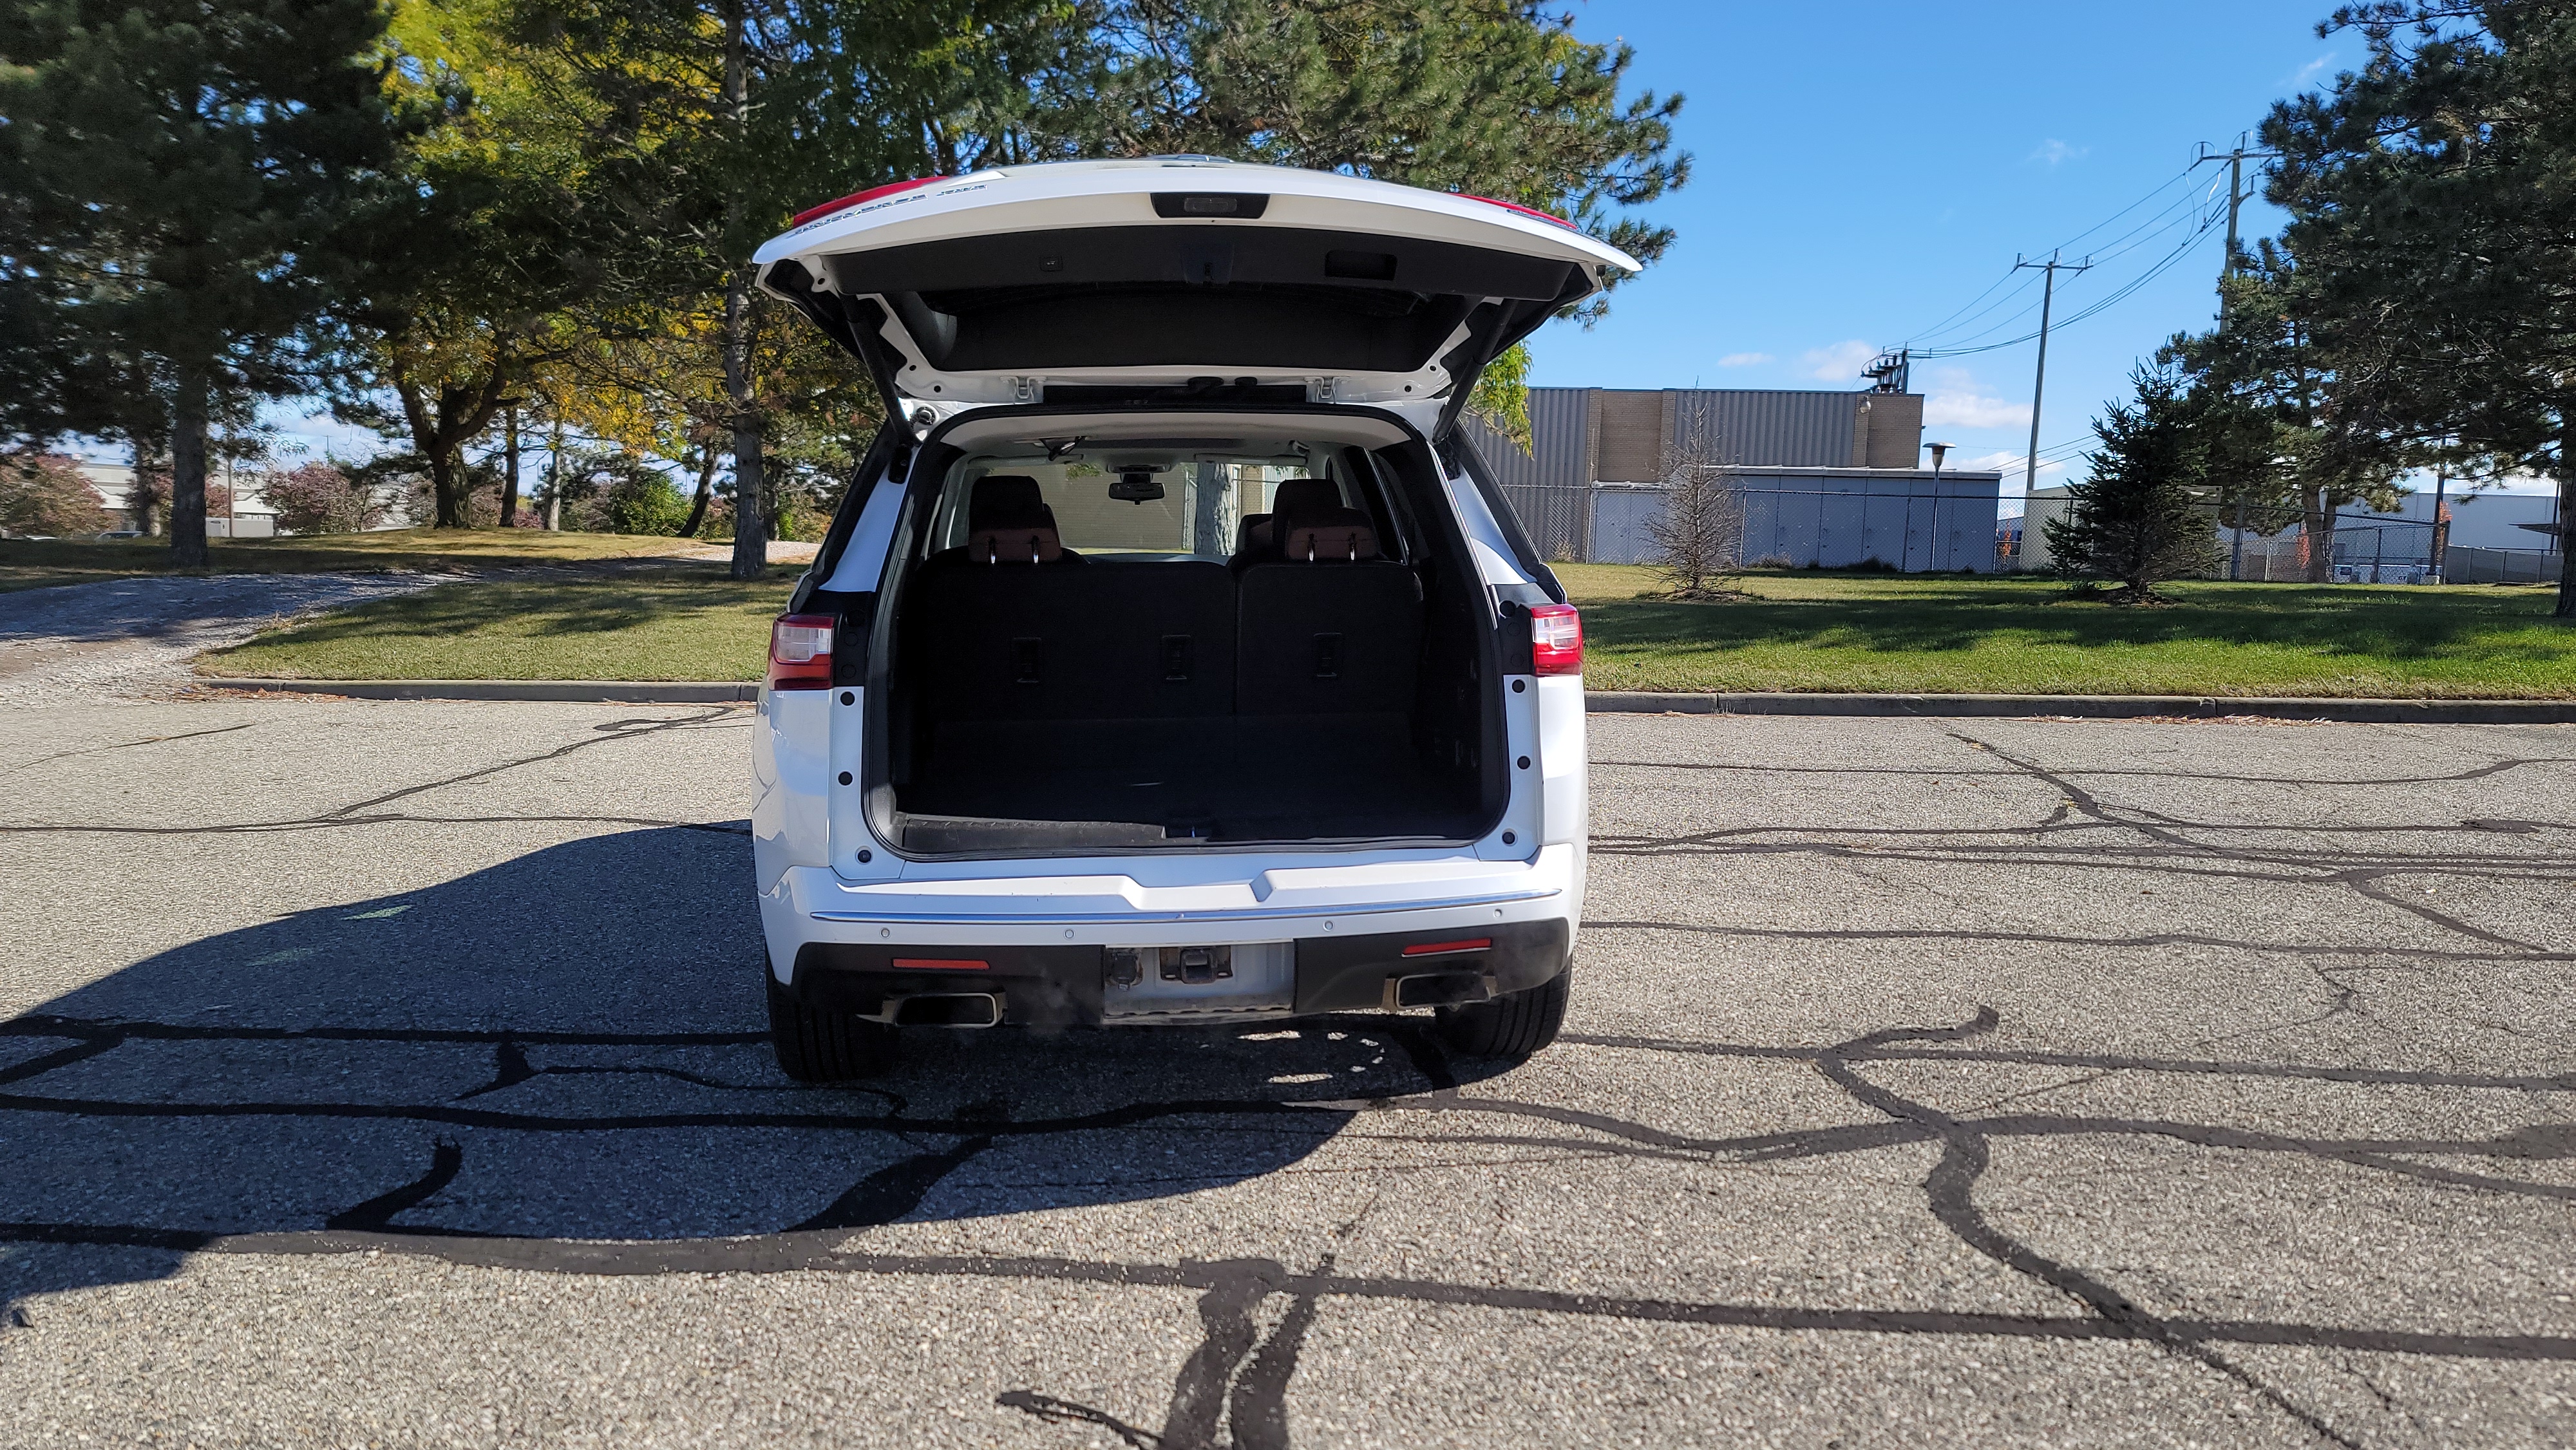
1863	171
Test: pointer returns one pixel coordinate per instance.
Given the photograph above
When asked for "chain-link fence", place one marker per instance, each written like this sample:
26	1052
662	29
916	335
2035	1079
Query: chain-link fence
2363	549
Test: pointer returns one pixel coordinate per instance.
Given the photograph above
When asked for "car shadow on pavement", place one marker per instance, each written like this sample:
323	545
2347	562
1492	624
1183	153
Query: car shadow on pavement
572	1046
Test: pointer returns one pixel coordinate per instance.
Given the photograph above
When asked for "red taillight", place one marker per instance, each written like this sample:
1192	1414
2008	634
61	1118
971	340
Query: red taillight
1531	212
1556	639
800	652
862	198
1444	948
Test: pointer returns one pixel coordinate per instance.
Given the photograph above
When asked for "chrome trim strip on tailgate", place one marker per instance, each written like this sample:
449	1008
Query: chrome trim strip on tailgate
1231	913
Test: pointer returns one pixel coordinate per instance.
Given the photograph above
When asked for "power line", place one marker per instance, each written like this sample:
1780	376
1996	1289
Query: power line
2157	222
2093	309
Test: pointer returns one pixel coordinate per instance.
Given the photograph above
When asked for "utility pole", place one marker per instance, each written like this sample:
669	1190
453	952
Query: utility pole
2039	382
2236	192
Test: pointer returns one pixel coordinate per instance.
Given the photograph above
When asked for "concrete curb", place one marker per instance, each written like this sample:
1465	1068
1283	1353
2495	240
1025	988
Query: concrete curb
587	692
2094	707
1599	702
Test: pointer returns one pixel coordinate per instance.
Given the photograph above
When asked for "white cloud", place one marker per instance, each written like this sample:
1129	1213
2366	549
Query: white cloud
1966	408
2298	79
1955	399
1840	363
1743	359
2057	153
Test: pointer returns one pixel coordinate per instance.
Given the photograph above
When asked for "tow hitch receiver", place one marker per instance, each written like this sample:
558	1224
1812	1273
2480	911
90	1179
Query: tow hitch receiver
1196	966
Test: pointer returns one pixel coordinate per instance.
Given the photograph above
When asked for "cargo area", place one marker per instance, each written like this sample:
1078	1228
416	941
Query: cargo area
1156	645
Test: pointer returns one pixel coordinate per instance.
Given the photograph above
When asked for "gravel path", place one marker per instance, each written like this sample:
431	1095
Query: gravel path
135	637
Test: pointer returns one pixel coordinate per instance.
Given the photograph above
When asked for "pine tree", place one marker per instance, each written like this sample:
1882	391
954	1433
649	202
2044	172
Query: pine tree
2432	210
2139	518
179	174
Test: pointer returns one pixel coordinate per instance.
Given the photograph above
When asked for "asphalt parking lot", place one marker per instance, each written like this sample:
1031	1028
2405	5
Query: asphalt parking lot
392	1074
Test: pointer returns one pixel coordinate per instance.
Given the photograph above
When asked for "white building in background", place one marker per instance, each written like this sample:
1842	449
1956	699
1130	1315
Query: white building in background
249	518
2494	538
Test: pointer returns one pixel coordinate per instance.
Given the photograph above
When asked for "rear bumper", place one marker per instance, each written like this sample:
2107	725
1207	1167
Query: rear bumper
1064	986
1337	935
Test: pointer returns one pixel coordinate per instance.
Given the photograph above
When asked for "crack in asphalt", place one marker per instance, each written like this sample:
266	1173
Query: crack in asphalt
1950	1193
890	1192
127	745
363	813
2479	772
2338	950
1254	1314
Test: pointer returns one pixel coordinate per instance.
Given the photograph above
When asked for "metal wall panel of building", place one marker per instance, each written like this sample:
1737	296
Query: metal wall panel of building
1913	521
1773	428
1562	451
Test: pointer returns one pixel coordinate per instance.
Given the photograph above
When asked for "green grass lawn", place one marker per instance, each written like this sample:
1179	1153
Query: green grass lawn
37	563
1797	631
685	622
1955	635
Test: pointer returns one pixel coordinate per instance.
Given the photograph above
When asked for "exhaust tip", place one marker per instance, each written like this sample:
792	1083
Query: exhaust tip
949	1009
1441	989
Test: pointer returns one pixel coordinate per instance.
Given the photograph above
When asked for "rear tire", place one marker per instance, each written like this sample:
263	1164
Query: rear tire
825	1046
1514	1025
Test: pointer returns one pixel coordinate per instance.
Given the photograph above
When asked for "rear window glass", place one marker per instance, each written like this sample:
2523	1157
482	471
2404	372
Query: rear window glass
1137	502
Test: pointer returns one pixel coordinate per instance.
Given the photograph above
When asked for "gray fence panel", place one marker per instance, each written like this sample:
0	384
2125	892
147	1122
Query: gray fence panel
1547	490
1622	525
2462	564
1554	517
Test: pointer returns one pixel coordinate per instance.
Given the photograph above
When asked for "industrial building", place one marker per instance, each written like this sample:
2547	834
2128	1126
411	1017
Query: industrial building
1824	478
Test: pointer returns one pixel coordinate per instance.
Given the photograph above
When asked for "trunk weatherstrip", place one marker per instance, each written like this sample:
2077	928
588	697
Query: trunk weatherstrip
1164	918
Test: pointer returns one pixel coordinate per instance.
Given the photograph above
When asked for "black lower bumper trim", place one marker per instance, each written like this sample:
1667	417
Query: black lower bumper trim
1062	986
1350	974
1039	986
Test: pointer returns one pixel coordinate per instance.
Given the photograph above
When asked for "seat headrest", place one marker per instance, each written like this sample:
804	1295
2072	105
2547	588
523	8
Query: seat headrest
1251	533
1006	498
1027	543
1303	496
1326	536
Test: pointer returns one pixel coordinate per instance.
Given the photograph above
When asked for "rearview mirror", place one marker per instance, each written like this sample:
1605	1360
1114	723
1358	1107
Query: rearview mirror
1136	485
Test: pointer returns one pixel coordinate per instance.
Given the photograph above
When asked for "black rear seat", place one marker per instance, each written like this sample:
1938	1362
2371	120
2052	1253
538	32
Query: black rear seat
1109	640
1326	627
1045	689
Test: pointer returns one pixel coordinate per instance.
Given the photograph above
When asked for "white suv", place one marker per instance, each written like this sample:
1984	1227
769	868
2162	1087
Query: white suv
1172	659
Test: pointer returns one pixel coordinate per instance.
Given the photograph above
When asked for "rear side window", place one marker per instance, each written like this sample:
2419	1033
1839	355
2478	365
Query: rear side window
1136	501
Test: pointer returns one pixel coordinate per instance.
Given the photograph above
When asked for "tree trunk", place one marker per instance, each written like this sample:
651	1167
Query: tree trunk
447	485
2316	522
750	526
554	478
188	472
510	468
706	490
